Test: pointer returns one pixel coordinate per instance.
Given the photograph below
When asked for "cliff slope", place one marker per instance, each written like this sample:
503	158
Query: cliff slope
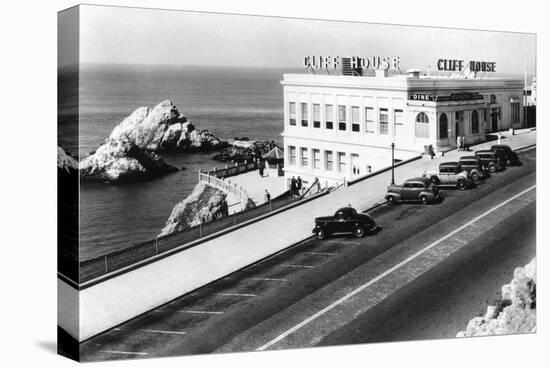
516	311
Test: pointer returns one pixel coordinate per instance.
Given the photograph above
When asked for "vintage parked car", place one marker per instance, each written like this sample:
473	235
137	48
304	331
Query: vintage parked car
490	161
345	220
419	189
450	174
506	153
472	165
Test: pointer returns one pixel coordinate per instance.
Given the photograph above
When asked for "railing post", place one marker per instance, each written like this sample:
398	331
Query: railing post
270	206
200	228
106	265
157	244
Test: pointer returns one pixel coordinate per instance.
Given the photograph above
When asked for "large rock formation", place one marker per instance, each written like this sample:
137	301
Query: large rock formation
119	160
515	312
164	128
65	163
203	204
130	151
240	151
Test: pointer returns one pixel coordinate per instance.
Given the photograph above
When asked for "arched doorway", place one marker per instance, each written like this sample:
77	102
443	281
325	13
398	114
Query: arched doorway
443	126
475	122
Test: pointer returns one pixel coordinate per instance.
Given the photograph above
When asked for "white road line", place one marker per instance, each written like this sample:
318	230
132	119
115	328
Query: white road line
164	331
237	294
320	253
203	312
117	329
389	271
296	266
120	352
271	279
345	243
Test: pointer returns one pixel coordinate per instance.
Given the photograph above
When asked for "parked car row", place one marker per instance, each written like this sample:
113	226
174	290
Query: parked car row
425	190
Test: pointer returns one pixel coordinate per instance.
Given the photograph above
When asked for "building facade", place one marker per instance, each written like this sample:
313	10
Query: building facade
340	127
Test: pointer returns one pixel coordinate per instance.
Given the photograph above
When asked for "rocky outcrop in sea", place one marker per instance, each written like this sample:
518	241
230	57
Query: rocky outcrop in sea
119	160
515	312
202	205
65	163
131	151
243	150
164	129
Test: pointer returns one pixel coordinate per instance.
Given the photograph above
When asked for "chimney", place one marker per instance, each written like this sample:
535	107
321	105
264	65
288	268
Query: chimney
413	73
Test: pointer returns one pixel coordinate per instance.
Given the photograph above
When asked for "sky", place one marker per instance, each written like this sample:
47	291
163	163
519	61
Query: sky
150	36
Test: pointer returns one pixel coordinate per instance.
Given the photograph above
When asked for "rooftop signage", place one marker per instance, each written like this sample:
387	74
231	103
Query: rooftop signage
353	62
450	97
460	65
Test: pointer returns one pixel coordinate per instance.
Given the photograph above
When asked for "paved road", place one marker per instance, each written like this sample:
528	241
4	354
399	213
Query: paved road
251	306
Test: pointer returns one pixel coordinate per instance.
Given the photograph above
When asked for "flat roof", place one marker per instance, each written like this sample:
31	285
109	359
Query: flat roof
400	82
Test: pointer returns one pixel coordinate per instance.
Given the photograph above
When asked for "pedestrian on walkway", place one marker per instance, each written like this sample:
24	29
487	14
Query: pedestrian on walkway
267	196
261	168
299	185
293	186
458	142
465	145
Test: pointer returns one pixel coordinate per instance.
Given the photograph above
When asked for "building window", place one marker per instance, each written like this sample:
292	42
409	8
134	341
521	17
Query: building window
398	122
341	117
369	119
475	122
316	115
341	162
493	98
304	114
292	113
355	119
316	158
303	157
384	121
291	155
329	116
328	160
515	112
443	126
422	126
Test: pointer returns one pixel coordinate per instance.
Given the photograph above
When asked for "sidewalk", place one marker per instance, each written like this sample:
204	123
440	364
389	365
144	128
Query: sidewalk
291	226
255	186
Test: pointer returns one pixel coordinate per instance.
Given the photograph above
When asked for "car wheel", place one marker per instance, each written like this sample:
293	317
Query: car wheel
492	168
435	180
391	200
475	176
423	200
461	184
359	232
320	235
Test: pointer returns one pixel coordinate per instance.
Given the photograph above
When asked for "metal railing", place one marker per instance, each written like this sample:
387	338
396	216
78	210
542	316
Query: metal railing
95	267
237	191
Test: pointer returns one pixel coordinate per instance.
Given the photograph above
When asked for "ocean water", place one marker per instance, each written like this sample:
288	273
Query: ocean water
230	102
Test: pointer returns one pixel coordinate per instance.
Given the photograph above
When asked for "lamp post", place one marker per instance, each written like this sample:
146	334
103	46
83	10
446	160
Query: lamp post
392	163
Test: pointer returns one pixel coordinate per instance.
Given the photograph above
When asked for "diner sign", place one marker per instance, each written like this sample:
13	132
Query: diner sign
355	62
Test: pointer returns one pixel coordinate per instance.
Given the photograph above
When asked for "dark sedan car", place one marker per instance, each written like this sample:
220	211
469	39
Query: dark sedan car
472	165
345	220
490	161
506	154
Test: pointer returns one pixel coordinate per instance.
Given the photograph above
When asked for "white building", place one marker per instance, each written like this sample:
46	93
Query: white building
339	127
